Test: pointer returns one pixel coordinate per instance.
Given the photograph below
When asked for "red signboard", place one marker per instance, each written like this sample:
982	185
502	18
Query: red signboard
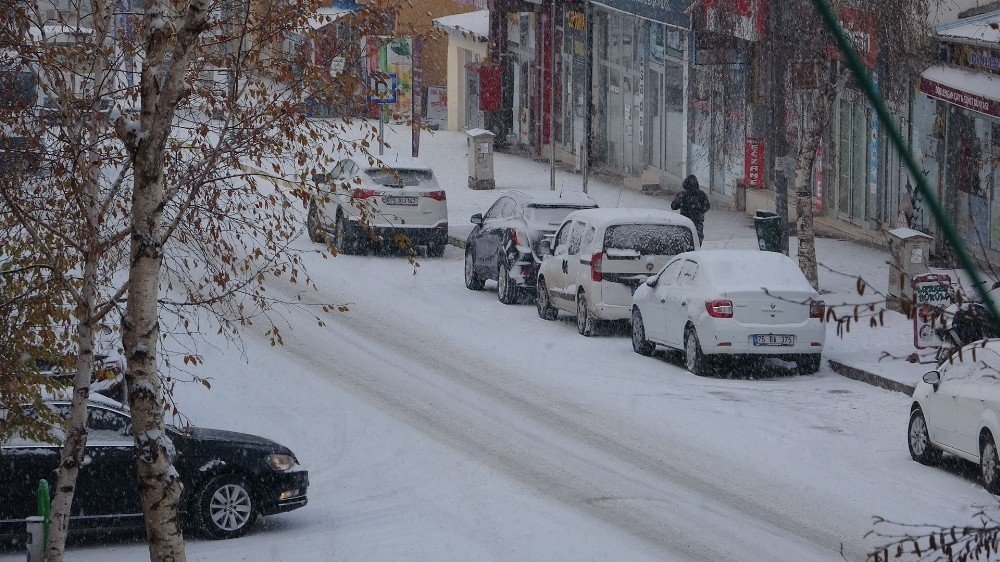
958	97
753	164
490	91
860	29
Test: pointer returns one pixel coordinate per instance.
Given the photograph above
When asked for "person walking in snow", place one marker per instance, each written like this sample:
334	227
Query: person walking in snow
693	203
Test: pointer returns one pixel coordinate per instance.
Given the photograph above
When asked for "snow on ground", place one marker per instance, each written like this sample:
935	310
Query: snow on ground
437	423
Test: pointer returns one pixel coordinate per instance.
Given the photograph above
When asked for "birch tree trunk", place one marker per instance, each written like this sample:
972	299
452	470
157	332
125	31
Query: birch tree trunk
162	86
804	223
75	442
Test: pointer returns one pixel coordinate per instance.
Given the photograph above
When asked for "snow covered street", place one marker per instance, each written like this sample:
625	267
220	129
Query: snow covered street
437	423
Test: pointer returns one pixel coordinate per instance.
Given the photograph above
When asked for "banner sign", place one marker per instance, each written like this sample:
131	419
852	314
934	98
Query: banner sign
931	295
958	97
753	164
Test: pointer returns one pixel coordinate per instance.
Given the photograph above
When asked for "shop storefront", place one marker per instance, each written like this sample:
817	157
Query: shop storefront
639	83
957	132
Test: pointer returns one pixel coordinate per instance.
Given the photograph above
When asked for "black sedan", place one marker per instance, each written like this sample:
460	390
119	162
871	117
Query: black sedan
229	478
504	245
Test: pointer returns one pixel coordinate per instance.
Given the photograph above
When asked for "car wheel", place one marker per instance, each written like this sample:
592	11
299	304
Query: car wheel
640	344
226	508
989	464
809	364
545	309
313	224
507	290
472	280
586	324
920	440
694	359
343	242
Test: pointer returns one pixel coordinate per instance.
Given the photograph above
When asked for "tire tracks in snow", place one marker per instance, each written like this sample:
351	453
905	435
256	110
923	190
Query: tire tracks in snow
680	504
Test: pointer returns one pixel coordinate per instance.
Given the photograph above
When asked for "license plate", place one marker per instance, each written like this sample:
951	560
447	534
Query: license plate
400	200
773	340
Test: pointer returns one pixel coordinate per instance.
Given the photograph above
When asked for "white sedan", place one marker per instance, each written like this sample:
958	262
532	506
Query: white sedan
728	303
957	409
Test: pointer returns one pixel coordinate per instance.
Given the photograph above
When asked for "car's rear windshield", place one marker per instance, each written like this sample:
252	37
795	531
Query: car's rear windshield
649	239
548	214
400	178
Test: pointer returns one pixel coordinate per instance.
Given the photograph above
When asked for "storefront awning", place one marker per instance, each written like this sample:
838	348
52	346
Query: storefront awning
326	16
977	91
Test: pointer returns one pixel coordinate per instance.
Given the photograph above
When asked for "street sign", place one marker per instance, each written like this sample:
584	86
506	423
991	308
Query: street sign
931	295
384	88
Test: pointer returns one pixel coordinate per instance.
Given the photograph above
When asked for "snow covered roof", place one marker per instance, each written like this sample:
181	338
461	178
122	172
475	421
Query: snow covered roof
474	24
625	216
982	29
327	15
554	199
403	162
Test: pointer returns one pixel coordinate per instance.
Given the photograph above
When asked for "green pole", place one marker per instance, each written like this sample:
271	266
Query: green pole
864	79
44	509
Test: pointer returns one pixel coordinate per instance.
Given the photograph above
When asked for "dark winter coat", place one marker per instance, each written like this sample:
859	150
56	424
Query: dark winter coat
692	202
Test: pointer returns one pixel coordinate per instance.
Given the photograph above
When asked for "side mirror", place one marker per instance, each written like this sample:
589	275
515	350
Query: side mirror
933	377
545	247
653	281
477	218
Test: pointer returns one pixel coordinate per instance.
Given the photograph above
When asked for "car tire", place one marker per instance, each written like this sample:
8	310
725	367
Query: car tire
694	359
507	291
545	309
472	280
586	324
809	364
919	440
640	344
313	224
343	244
225	507
989	464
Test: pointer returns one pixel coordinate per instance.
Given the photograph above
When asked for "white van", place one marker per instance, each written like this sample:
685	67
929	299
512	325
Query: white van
600	256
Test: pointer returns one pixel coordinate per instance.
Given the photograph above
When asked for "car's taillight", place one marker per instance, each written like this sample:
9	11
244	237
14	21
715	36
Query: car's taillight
719	308
435	195
817	309
596	266
363	193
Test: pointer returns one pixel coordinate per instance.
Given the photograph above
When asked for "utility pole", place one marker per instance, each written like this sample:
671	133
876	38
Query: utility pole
589	99
552	95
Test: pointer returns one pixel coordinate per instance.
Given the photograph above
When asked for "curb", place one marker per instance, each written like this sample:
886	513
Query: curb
869	378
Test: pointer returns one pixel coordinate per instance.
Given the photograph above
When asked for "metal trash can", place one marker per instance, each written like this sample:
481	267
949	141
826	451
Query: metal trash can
769	230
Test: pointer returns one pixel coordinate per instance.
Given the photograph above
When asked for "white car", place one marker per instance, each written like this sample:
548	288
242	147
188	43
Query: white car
729	303
599	256
399	197
956	408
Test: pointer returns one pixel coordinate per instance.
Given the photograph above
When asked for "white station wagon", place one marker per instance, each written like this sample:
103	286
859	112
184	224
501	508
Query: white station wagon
599	256
716	303
399	197
956	408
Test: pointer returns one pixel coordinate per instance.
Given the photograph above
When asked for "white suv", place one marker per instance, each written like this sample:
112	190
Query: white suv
600	256
399	197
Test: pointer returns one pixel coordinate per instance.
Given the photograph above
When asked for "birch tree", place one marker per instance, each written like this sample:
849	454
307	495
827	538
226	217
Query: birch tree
141	199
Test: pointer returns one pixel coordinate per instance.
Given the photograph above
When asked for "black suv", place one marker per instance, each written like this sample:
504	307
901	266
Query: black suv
229	478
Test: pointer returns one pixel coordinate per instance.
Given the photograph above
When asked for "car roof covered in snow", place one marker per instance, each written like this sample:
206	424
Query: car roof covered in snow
553	199
66	395
396	162
751	270
606	217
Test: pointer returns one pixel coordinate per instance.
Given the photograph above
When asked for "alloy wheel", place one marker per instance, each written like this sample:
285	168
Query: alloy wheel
918	436
230	507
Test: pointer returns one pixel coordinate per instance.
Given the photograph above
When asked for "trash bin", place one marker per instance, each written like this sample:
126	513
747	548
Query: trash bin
769	230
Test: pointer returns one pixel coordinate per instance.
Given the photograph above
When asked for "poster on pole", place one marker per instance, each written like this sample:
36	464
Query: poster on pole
930	294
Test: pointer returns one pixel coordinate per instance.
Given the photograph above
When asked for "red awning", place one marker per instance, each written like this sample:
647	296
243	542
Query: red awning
977	91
